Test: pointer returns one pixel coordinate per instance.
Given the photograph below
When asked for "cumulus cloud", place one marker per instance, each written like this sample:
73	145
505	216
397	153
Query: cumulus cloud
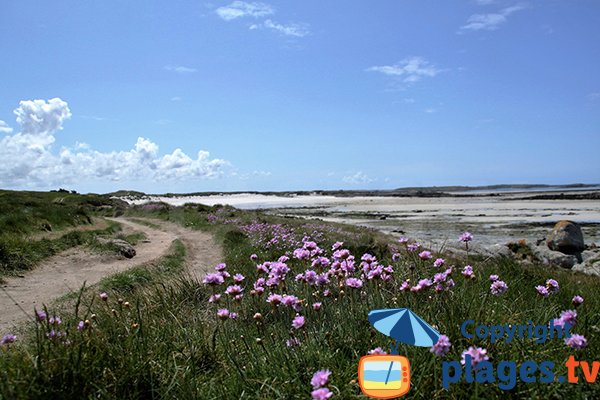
4	128
357	178
410	70
297	30
490	21
180	69
241	9
29	160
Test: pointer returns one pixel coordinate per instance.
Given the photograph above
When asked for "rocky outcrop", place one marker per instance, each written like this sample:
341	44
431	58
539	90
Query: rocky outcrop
566	237
120	246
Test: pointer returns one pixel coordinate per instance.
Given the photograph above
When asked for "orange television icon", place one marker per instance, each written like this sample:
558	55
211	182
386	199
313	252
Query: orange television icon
384	376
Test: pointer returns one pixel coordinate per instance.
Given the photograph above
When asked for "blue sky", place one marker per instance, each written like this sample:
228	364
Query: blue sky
99	96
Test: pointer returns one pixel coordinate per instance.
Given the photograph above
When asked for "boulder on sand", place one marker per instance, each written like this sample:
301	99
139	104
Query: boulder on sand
121	246
566	237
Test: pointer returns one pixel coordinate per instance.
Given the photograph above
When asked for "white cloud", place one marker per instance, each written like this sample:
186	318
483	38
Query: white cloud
410	69
29	161
241	9
176	98
297	30
490	21
180	69
359	177
4	128
484	2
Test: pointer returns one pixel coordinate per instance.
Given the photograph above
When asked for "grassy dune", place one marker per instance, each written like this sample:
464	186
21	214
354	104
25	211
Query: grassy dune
25	218
158	336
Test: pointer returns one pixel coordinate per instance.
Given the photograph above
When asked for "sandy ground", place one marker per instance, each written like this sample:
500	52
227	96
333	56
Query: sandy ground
66	272
435	221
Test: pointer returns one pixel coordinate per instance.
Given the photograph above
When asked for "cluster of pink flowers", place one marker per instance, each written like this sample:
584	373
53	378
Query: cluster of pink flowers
576	342
551	287
7	339
468	272
497	287
318	382
477	355
466	237
442	346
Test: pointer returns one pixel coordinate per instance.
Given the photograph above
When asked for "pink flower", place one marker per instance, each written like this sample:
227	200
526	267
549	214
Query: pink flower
577	300
403	240
439	262
321	394
238	278
377	350
498	287
223	313
220	267
298	322
552	285
213	279
576	341
40	315
442	347
465	237
413	247
395	257
477	355
316	306
215	298
468	272
274	299
233	315
7	339
354	283
320	378
542	290
425	255
336	246
253	257
234	290
103	296
494	278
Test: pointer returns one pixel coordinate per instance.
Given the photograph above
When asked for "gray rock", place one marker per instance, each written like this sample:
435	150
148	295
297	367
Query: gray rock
121	246
549	257
566	237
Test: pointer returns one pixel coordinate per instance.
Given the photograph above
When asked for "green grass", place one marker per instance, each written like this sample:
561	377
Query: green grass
25	215
158	337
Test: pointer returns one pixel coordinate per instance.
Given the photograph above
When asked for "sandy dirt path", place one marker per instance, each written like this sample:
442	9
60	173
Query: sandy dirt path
67	271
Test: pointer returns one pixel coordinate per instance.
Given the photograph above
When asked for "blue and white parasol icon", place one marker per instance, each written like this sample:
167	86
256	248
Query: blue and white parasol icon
403	326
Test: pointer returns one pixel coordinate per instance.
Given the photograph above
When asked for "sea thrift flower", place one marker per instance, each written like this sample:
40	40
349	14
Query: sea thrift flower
213	279
298	322
377	350
321	394
253	257
465	237
405	286
395	257
494	278
238	278
552	286
477	354
220	267
425	255
81	326
576	341
403	240
103	296
233	315
413	247
442	347
336	246
283	259
223	313
542	290
234	290
320	378
577	300
468	272
10	338
439	262
55	320
498	287
40	315
316	306
274	299
568	317
215	298
354	283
